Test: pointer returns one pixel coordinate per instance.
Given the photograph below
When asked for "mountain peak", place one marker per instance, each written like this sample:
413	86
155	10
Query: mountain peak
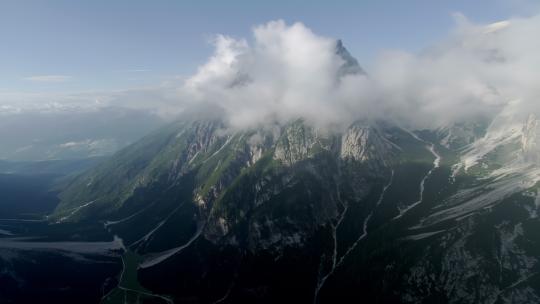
350	64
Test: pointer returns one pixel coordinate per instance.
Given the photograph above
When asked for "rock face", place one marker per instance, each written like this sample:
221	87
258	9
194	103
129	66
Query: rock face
350	64
462	134
296	144
367	144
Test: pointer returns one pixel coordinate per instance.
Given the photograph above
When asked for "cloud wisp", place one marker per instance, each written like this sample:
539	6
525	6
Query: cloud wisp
49	78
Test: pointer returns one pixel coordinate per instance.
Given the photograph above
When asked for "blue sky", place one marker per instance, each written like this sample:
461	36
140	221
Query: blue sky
70	46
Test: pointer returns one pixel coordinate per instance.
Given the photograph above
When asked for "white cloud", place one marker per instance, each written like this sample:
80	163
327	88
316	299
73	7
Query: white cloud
49	78
477	71
287	72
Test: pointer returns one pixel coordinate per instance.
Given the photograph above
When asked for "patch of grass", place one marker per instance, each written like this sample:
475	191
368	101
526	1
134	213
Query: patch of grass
129	279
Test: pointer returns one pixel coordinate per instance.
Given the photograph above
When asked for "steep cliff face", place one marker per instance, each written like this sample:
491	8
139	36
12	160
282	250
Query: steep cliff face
368	144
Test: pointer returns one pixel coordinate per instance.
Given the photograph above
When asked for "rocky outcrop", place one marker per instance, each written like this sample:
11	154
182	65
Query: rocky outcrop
366	143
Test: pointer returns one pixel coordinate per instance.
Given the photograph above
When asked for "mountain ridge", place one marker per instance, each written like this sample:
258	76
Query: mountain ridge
294	212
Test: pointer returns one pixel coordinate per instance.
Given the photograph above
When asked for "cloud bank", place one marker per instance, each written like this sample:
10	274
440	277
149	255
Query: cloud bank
287	71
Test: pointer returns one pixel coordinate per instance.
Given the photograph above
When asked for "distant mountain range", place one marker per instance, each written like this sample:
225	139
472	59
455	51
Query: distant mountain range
34	135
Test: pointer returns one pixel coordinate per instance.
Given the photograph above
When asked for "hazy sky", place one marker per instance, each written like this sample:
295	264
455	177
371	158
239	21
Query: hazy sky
72	46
